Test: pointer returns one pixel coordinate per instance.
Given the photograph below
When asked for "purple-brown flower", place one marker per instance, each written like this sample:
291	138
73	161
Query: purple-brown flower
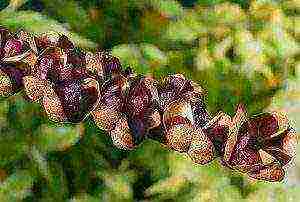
261	146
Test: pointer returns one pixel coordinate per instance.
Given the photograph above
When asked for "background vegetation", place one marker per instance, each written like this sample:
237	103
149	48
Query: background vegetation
238	50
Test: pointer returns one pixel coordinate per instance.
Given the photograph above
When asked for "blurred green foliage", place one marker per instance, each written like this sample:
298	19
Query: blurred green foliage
238	50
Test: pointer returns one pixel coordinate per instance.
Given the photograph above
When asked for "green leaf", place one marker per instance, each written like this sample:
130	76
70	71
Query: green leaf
169	8
37	23
130	55
17	186
56	137
13	145
185	29
153	55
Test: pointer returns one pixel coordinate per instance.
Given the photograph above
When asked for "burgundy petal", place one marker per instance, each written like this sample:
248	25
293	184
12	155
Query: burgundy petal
266	124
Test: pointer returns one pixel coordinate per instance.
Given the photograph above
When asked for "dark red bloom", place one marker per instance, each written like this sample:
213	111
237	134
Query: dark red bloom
77	99
142	107
260	146
70	101
112	99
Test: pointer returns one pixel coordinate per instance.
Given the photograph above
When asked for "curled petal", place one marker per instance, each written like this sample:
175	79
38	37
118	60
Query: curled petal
266	157
112	92
152	119
217	130
279	155
244	159
179	137
177	110
51	64
90	94
28	58
201	150
269	125
200	114
121	135
238	120
49	39
111	65
65	43
13	47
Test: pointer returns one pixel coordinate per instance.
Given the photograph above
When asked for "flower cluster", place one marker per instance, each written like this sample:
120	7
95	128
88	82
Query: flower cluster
71	84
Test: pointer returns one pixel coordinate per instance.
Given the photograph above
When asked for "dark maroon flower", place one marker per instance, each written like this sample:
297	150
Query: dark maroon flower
262	145
142	107
74	100
177	87
111	102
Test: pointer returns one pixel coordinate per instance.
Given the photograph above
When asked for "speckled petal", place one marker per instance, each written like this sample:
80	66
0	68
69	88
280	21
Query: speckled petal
34	87
53	106
121	135
179	137
201	150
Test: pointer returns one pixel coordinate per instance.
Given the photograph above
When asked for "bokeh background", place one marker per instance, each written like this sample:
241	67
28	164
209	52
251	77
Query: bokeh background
238	50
